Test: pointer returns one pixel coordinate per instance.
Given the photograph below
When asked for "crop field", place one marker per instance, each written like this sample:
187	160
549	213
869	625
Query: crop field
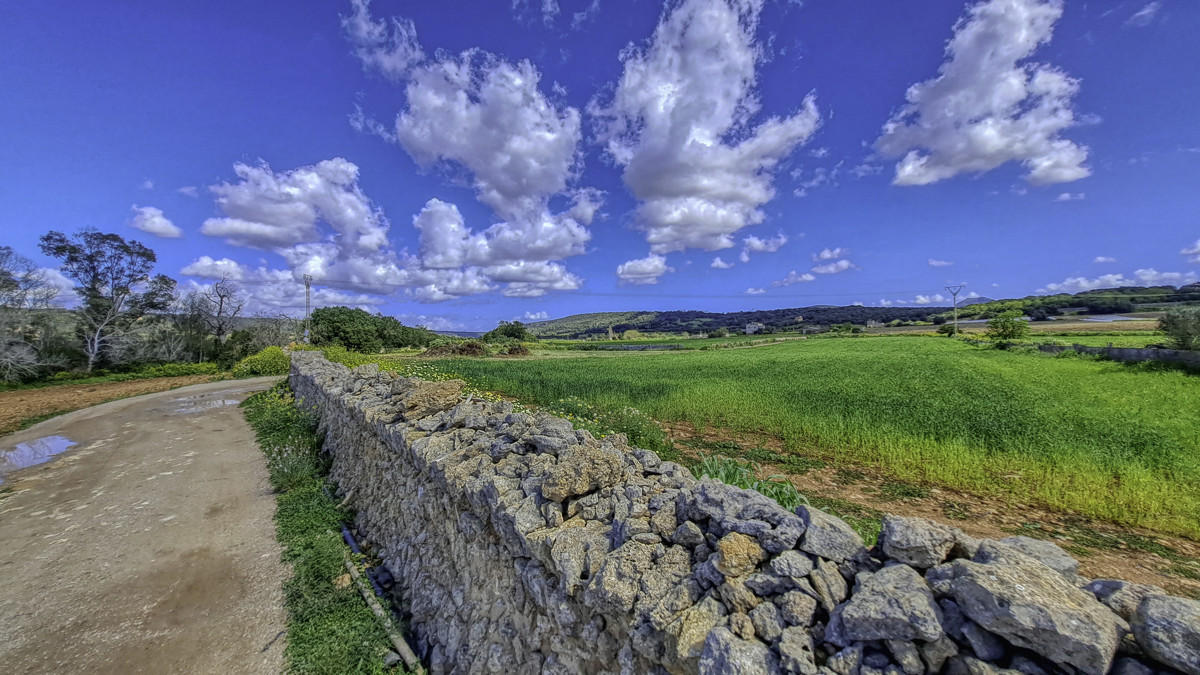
1098	438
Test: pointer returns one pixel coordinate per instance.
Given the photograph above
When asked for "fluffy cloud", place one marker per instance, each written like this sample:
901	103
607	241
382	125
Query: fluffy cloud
835	267
1194	251
793	278
536	316
206	267
189	191
643	270
478	115
679	126
754	244
1144	16
721	264
269	289
929	299
934	262
1142	277
754	291
1103	259
1069	197
391	52
986	107
66	295
152	221
831	253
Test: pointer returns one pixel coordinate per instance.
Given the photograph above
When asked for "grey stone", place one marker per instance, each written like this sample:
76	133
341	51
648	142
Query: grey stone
688	534
736	596
582	469
1048	553
738	555
615	587
875	659
742	626
796	652
985	645
726	654
1032	606
731	509
390	659
768	623
1168	629
828	583
769	584
797	608
1128	666
828	537
969	665
891	604
906	656
935	653
846	662
1122	597
918	542
1027	666
685	637
791	564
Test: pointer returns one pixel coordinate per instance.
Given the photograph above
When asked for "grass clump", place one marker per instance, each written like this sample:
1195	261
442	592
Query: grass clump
270	361
329	628
741	474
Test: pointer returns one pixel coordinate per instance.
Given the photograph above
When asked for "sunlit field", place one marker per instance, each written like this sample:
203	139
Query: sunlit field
1099	438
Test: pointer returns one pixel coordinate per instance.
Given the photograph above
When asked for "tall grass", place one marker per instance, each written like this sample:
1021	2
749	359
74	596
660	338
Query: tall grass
1087	436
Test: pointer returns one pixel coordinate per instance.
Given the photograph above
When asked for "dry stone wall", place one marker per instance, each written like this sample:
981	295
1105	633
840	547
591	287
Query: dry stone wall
526	546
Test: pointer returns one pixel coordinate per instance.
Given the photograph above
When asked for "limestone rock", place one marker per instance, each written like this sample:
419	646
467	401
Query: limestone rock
828	584
1122	597
417	399
582	469
1168	628
726	654
796	652
891	604
738	555
828	537
1048	553
768	623
907	656
797	608
731	509
685	637
918	542
1033	606
791	564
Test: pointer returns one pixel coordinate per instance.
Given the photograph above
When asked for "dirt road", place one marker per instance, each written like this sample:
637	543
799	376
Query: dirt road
147	547
22	404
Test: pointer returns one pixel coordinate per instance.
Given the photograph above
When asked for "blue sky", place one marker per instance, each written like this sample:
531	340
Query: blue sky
460	163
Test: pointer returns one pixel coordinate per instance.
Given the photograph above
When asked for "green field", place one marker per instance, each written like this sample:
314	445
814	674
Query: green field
1094	437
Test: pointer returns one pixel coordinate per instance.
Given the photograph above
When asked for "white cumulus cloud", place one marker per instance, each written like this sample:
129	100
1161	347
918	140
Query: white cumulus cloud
793	278
1142	277
721	264
643	270
934	262
831	253
679	124
1070	197
929	299
152	221
1194	251
835	267
536	316
989	105
754	291
1104	259
391	50
754	244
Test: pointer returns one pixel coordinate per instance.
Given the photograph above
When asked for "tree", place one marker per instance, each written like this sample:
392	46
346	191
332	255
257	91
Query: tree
224	302
22	284
631	334
23	287
114	284
1008	326
512	330
1182	327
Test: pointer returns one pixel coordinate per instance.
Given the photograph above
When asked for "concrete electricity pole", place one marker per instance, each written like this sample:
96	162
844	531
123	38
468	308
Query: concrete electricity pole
307	297
955	290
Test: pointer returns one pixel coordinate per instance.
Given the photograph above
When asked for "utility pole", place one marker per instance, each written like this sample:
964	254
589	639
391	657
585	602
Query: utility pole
954	291
307	297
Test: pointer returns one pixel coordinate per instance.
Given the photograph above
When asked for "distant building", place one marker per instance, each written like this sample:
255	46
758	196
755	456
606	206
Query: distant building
871	323
752	328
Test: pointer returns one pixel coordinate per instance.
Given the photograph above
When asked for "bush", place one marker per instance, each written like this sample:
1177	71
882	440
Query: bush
180	369
946	329
270	361
518	350
1182	327
719	333
513	330
1008	326
468	348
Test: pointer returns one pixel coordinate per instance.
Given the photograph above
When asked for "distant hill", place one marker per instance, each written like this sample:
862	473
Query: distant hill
582	325
976	301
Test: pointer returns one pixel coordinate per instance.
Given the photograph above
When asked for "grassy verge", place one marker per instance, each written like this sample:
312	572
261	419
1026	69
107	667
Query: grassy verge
329	627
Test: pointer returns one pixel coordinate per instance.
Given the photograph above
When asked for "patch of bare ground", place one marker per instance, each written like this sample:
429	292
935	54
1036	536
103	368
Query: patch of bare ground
25	404
862	494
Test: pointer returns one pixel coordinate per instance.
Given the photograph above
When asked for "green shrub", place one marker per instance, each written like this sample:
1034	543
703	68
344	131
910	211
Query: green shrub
180	369
1182	327
1008	326
270	361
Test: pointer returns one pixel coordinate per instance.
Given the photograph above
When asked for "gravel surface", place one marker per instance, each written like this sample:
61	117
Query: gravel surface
148	547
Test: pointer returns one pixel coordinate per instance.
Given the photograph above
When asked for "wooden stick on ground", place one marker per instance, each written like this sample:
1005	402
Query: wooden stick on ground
406	654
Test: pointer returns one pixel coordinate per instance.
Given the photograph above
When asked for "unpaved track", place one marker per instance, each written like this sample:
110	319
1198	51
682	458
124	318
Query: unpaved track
147	548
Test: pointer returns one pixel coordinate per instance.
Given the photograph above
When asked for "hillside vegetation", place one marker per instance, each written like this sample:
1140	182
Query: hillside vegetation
1098	438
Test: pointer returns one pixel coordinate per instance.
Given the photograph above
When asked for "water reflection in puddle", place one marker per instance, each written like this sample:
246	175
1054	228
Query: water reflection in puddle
32	453
193	404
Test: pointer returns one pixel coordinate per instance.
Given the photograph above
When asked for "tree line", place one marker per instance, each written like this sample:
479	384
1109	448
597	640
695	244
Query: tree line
129	317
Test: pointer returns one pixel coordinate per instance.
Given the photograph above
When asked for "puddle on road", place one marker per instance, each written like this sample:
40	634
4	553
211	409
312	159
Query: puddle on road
195	404
32	453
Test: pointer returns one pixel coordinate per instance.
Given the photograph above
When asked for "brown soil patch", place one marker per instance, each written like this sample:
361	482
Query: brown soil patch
1104	549
17	406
